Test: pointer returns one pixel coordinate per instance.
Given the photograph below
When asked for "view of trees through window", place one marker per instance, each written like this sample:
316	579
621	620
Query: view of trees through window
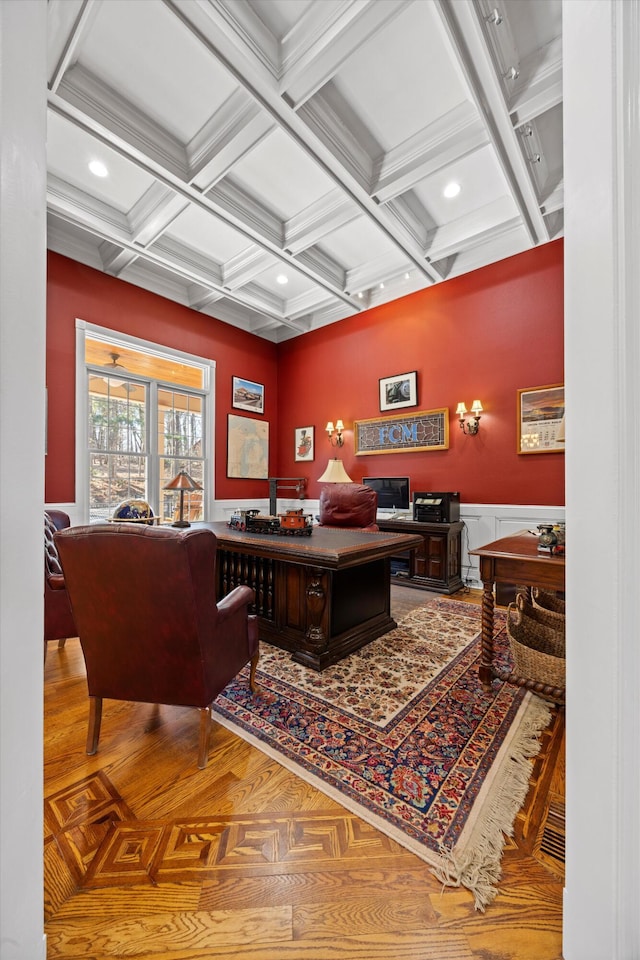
117	448
141	433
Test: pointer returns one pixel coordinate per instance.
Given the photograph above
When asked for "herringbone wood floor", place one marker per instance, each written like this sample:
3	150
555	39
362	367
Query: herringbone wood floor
148	857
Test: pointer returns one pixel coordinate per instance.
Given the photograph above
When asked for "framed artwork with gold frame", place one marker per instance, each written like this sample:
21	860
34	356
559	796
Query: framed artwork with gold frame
540	417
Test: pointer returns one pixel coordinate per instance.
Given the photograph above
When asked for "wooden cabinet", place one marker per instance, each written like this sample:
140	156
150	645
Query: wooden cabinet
436	563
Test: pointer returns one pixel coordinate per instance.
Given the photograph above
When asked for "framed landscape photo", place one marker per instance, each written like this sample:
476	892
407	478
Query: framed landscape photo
304	443
247	395
540	416
399	391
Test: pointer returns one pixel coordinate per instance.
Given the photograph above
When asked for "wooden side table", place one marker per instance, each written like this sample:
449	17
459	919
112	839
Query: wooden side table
514	559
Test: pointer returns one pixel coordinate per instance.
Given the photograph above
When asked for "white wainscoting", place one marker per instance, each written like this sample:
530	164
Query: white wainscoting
484	522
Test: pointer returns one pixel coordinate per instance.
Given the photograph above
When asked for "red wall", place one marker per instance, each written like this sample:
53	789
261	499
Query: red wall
75	291
483	335
480	336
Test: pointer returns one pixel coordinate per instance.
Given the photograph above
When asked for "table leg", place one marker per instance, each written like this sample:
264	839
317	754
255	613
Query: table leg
486	658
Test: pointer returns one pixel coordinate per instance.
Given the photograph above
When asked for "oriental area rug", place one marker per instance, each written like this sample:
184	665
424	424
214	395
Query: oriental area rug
402	734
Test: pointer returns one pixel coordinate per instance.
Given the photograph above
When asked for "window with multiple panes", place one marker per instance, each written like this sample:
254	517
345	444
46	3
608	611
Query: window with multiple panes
147	417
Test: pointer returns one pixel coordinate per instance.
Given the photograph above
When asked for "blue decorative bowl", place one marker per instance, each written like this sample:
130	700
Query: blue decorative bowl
134	510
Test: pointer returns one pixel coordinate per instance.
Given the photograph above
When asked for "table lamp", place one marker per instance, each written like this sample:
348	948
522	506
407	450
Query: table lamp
335	473
185	484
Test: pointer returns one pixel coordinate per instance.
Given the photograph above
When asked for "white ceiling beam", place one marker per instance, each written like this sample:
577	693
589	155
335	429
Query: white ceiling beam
70	34
539	85
318	220
156	209
466	32
465	232
381	270
452	137
86	210
200	297
204	23
168	260
504	240
324	38
116	142
114	258
104	109
231	132
247	265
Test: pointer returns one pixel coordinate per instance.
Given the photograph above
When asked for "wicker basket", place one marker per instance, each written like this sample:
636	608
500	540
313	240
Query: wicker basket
538	649
545	600
546	615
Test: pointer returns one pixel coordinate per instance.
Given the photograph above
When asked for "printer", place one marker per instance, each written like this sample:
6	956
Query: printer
430	507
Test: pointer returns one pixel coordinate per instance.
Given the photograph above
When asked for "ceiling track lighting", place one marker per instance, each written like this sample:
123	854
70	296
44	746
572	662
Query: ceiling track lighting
512	74
495	17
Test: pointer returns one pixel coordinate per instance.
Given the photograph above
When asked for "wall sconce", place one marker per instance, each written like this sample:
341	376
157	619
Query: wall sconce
335	433
472	425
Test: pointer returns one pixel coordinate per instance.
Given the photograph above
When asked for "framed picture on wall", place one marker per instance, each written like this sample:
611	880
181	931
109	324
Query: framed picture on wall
540	415
399	391
304	443
247	448
247	395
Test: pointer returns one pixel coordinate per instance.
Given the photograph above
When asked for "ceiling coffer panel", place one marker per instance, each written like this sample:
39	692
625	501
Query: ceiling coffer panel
301	161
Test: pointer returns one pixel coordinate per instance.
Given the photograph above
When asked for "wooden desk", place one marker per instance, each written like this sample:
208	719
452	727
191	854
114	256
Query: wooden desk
321	597
513	559
436	564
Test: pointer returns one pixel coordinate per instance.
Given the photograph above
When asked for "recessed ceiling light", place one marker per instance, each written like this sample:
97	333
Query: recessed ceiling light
451	190
98	168
382	286
282	278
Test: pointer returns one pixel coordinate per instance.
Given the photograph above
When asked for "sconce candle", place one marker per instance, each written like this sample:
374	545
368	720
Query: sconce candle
335	433
471	426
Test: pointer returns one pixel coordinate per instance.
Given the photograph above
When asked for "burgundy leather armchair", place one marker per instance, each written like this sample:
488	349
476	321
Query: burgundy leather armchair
348	505
58	619
144	601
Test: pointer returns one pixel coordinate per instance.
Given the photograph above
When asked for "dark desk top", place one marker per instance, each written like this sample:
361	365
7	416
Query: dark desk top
519	546
328	547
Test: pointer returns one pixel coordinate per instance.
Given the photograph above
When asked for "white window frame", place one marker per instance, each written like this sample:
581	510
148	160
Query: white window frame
86	330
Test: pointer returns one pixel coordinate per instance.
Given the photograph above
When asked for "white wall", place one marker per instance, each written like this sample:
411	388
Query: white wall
602	306
22	373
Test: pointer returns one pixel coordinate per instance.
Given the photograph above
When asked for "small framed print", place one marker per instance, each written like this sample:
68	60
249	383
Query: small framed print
541	419
399	391
247	395
304	441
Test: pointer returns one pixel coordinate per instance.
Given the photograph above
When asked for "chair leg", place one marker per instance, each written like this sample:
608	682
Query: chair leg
61	643
95	717
205	730
252	672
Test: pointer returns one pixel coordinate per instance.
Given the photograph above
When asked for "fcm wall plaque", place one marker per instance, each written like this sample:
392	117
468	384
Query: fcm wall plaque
427	430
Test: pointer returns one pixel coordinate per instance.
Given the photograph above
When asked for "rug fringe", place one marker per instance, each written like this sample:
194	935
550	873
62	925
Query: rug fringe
479	870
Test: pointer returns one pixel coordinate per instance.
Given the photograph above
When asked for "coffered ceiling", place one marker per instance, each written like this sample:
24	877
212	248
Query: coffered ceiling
248	141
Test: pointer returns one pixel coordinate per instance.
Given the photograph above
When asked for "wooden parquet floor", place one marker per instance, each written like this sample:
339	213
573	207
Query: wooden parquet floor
148	857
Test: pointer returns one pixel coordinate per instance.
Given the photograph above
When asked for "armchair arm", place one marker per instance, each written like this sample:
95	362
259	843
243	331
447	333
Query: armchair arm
234	601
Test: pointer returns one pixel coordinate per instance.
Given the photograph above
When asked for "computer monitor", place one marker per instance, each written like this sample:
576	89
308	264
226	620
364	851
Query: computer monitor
393	492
